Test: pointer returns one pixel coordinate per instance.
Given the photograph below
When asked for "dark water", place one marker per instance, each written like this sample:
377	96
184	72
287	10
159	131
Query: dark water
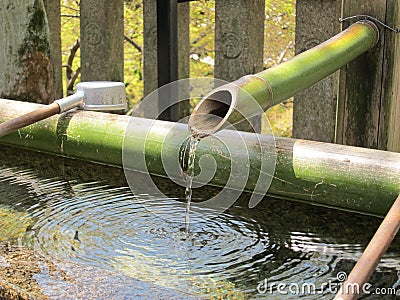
86	215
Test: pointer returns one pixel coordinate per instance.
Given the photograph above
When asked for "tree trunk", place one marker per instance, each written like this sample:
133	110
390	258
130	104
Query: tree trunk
27	72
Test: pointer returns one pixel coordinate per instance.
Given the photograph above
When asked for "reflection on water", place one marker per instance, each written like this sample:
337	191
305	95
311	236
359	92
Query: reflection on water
90	220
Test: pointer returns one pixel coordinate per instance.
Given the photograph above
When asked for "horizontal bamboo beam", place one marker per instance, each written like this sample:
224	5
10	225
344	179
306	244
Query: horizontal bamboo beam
350	178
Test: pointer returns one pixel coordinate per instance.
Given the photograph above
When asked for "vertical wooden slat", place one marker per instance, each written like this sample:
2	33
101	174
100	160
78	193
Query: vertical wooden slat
25	71
239	40
314	110
102	40
150	60
389	123
53	11
184	56
184	40
150	46
361	83
167	41
167	56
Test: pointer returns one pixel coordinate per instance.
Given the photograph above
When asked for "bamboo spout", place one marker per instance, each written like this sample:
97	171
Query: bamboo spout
253	94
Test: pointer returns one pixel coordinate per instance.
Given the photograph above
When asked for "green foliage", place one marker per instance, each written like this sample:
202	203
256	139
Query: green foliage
202	28
279	45
279	31
133	63
70	32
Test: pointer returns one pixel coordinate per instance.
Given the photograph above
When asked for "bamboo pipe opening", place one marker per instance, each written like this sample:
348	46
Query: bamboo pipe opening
213	110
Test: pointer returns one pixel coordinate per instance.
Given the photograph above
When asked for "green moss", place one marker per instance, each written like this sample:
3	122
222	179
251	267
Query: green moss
37	32
13	224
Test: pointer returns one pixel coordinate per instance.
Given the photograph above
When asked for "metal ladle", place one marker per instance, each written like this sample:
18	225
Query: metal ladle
96	95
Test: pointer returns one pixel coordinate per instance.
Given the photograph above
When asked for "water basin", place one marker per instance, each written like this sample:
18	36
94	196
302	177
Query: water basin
77	230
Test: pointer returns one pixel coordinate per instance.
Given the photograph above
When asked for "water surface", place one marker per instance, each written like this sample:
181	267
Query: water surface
78	214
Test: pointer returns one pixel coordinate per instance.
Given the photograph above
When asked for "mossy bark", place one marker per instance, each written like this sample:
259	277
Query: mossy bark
27	73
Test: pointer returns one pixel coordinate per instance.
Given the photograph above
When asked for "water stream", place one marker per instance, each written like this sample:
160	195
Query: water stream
192	144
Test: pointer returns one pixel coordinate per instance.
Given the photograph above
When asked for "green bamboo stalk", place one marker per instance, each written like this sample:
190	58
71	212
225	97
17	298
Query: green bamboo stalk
350	178
253	94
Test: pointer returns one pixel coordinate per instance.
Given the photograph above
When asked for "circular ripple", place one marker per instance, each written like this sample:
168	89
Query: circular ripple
230	254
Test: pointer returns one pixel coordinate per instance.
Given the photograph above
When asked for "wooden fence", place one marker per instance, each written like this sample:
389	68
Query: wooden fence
365	112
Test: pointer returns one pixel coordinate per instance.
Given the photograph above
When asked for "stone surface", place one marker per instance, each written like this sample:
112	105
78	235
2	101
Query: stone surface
102	40
53	12
314	110
239	43
239	38
32	276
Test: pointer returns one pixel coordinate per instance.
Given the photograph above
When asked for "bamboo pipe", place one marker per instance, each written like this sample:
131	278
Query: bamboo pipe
350	178
252	94
369	260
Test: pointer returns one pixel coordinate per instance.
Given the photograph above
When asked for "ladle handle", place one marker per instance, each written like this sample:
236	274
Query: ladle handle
372	255
29	118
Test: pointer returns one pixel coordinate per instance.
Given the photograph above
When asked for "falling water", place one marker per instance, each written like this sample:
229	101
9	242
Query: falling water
193	142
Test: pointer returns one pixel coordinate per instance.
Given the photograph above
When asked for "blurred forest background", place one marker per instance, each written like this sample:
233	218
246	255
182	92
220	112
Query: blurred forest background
278	47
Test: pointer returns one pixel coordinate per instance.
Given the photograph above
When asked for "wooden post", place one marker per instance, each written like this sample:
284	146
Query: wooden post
26	70
239	41
53	12
368	107
184	56
389	126
102	40
150	48
314	111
